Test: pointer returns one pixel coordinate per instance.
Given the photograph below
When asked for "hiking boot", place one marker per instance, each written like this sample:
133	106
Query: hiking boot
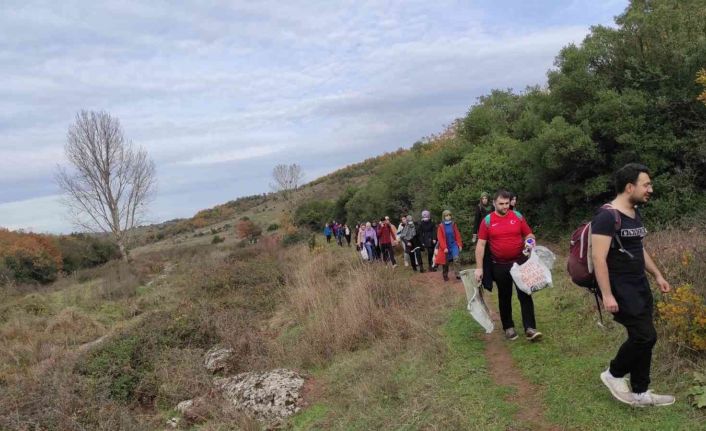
458	277
649	398
510	334
618	387
421	270
433	269
446	277
533	335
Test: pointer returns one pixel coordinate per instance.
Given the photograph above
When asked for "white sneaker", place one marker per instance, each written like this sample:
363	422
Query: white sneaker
649	398
618	387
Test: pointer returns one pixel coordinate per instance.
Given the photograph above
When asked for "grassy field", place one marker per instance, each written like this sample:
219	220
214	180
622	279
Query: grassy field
118	347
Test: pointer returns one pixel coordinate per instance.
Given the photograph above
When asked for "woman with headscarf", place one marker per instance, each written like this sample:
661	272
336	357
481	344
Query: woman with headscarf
371	240
484	207
427	236
450	245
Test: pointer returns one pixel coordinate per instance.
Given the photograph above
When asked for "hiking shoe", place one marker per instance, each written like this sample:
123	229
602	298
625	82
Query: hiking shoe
618	387
649	398
433	269
533	335
394	266
510	334
446	277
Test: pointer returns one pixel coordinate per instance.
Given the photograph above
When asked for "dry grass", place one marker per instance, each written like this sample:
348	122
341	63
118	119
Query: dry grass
341	304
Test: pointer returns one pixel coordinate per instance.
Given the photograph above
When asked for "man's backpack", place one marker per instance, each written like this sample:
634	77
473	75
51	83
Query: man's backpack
580	265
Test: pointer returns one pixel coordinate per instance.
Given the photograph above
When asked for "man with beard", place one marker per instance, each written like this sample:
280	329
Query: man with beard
620	261
508	235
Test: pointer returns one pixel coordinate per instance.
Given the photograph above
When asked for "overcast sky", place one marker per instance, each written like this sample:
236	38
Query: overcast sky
220	92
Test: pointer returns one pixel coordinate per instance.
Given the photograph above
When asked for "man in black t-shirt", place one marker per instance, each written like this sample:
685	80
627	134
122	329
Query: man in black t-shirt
620	262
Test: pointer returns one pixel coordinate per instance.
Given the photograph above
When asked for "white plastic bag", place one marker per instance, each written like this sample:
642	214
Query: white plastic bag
545	255
364	253
532	275
476	304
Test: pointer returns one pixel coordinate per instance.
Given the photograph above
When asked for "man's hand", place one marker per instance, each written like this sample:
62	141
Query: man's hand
460	249
663	284
610	304
475	238
479	274
446	250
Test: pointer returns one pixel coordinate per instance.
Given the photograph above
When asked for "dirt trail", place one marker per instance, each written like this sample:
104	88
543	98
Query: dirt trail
501	366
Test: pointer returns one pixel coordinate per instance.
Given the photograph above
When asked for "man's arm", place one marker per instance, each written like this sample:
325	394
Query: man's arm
652	269
480	254
600	248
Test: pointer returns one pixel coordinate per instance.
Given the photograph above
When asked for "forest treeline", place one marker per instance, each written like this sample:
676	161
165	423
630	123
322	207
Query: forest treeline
629	93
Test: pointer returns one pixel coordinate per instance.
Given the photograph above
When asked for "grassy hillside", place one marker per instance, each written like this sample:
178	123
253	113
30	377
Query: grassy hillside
118	347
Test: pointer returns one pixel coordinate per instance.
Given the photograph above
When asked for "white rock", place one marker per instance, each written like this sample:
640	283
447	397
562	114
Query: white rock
217	358
184	406
268	396
173	422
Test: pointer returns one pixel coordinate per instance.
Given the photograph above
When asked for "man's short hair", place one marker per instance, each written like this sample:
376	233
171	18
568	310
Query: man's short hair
502	193
628	174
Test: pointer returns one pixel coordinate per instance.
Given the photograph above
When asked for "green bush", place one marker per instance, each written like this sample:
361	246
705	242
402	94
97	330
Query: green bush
217	240
273	227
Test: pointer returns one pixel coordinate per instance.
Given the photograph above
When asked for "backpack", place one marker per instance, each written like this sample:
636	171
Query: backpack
579	264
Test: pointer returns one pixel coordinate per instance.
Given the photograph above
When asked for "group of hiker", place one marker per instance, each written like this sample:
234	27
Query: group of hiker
439	245
503	238
338	231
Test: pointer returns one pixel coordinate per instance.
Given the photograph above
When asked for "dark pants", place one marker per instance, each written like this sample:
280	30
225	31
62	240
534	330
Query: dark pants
415	257
348	240
388	253
635	355
328	238
503	279
430	256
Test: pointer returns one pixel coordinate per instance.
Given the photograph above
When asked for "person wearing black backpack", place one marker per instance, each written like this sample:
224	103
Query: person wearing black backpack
620	263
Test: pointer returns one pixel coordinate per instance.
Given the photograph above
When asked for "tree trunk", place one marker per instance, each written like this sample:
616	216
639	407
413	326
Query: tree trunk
123	250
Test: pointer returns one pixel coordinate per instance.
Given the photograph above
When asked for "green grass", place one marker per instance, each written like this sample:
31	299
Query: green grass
566	365
439	385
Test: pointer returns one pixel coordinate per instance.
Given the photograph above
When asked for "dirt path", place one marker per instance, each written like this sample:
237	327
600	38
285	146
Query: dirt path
501	366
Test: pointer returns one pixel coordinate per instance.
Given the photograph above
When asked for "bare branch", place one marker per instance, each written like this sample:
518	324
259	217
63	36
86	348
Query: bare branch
286	178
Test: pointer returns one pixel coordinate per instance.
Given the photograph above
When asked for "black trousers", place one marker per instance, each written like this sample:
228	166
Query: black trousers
503	279
430	256
635	355
415	258
388	253
328	238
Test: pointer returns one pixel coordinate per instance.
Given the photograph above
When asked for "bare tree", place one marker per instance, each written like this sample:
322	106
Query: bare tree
110	183
286	178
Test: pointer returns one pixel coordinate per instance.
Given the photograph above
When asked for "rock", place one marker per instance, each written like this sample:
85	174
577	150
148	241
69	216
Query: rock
173	422
269	396
217	359
184	406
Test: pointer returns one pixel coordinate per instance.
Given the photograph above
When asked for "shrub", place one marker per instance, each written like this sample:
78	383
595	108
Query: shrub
217	240
273	227
683	313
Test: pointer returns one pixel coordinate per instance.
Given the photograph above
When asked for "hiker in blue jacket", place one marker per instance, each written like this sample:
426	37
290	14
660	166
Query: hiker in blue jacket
327	232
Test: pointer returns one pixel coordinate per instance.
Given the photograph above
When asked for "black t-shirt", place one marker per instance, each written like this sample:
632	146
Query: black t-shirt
631	261
626	268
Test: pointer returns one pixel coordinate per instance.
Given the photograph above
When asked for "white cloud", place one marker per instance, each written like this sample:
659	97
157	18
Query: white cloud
233	156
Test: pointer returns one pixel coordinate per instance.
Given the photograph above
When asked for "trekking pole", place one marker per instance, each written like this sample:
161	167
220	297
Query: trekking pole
598	305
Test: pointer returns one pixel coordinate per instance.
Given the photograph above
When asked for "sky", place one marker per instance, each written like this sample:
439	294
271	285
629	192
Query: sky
219	92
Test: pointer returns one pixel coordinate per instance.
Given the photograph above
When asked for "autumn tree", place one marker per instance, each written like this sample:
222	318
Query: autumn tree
247	229
110	182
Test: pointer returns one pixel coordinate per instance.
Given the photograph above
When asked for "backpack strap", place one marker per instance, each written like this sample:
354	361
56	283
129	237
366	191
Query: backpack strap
518	214
617	224
487	220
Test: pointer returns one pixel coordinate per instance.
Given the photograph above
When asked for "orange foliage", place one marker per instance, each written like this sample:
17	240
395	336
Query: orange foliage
29	244
684	315
701	79
247	229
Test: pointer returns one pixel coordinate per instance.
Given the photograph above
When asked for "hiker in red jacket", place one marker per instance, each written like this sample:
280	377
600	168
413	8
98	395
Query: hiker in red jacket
450	245
387	236
508	234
